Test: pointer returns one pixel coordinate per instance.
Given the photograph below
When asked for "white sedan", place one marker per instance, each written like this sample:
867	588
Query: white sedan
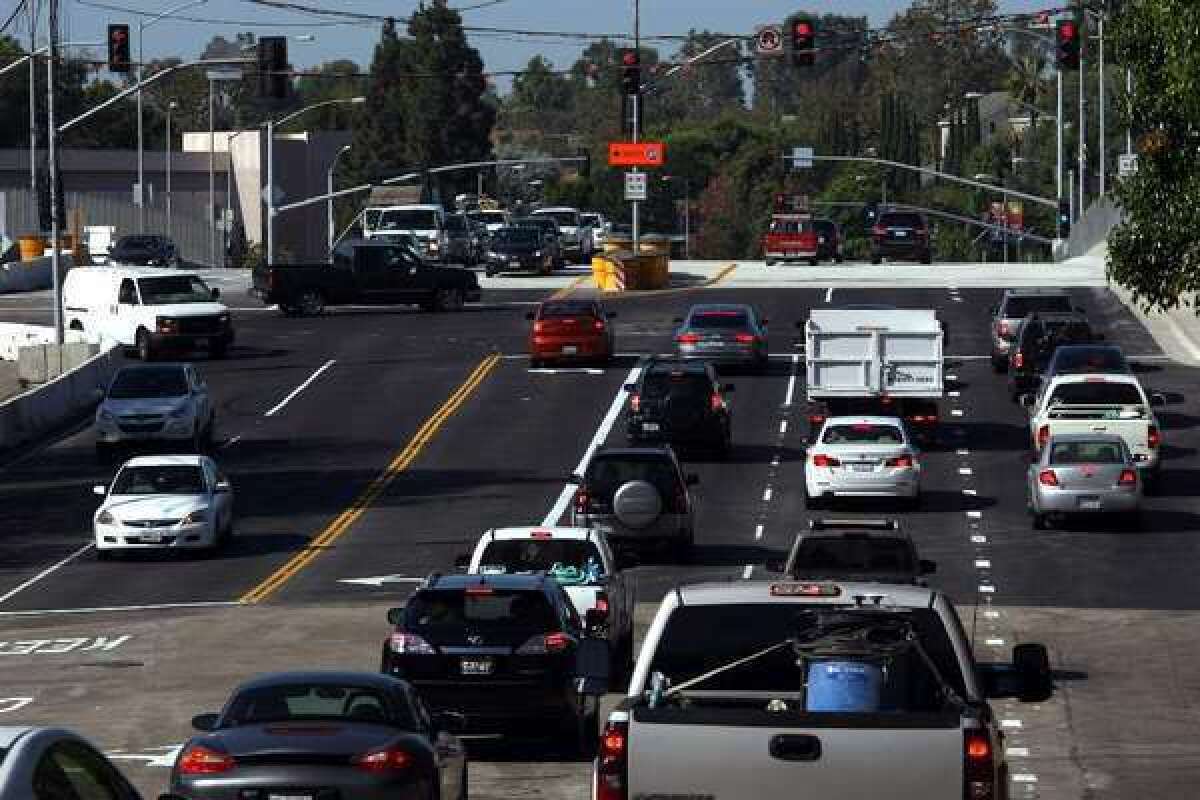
862	457
164	502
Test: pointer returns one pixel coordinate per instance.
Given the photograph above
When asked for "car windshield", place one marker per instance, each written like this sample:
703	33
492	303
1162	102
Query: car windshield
138	242
901	221
658	383
572	562
567	219
1018	307
1099	393
544	224
851	554
863	433
1100	452
1106	359
485	609
173	289
731	320
606	474
162	479
149	382
516	236
688	647
314	701
415	219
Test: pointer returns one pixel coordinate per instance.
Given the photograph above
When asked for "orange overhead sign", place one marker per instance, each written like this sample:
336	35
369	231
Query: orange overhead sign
636	154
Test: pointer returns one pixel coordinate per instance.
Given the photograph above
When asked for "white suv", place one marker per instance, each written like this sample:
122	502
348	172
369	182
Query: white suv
158	402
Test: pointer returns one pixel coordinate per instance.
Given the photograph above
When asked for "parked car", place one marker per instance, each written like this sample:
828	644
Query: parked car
168	403
46	763
640	497
518	249
862	457
345	735
571	330
901	235
164	502
1084	474
862	550
829	240
1038	337
682	403
551	237
367	273
1014	306
723	333
145	250
152	309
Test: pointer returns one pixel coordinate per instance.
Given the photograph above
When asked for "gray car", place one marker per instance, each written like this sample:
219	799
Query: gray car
723	333
639	497
1014	306
1084	473
56	764
319	735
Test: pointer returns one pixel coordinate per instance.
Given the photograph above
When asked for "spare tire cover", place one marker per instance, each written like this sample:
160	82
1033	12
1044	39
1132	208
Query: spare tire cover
637	504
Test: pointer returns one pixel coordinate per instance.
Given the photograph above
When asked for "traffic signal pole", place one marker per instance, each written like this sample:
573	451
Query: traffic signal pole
637	112
52	159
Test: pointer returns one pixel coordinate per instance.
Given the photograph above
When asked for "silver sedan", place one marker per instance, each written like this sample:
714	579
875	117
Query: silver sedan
1084	473
723	333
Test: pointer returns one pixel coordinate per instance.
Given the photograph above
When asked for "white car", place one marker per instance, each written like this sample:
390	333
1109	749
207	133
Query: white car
164	502
155	403
862	457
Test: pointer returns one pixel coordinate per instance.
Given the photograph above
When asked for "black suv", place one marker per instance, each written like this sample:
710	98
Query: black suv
901	234
872	550
551	237
509	652
680	402
1038	336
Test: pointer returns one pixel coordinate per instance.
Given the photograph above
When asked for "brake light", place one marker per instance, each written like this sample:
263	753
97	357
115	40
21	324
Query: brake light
1043	436
1128	478
716	402
612	764
409	644
200	760
602	602
544	644
821	460
1047	478
481	589
598	325
635	403
879	230
1002	329
1153	437
816	419
900	461
923	419
979	768
539	327
688	338
391	759
583	500
746	338
1018	360
168	326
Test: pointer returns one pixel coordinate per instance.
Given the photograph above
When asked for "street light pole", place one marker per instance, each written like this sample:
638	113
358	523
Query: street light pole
33	187
1103	144
1058	142
52	159
171	106
212	182
329	188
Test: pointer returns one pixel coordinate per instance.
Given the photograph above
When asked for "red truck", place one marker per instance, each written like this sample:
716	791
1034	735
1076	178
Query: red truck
791	235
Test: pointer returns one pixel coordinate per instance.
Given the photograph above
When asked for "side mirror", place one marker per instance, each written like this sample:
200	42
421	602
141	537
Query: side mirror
450	721
1158	399
205	722
728	387
223	487
462	562
595	620
216	293
529	315
100	490
927	567
692	479
1031	663
395	615
592	663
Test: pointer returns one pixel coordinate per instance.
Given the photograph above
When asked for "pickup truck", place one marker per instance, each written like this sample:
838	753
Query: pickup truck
365	273
1115	404
798	690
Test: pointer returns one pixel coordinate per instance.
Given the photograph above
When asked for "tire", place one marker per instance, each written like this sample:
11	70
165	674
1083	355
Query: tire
145	347
448	300
311	303
488	271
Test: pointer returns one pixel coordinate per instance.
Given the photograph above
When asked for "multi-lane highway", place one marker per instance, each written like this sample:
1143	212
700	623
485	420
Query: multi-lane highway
378	444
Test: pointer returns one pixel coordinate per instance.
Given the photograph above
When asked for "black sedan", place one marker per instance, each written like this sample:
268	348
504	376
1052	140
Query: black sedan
513	249
322	736
145	250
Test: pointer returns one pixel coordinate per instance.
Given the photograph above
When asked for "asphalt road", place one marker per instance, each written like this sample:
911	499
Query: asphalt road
424	430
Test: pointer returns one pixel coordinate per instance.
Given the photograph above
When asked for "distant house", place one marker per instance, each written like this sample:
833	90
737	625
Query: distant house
1000	116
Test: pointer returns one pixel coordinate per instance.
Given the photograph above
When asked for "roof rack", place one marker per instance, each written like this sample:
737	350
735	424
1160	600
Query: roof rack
874	524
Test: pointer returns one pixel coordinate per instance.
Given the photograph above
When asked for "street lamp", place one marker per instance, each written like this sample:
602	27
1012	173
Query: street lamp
171	106
141	164
329	189
687	212
271	125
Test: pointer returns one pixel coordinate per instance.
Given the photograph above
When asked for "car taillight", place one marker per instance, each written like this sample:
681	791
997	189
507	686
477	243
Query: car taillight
923	419
1047	477
816	419
879	230
1153	437
200	760
409	644
1043	436
821	460
746	338
168	326
539	327
1002	329
598	325
1018	360
715	402
979	767
900	461
688	338
612	764
1128	478
542	644
583	500
635	403
391	759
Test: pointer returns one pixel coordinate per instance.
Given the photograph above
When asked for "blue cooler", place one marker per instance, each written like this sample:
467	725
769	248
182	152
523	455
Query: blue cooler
844	686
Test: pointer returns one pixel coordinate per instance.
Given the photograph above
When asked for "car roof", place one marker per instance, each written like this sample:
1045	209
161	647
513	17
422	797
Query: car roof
864	420
759	591
556	532
555	208
375	680
166	461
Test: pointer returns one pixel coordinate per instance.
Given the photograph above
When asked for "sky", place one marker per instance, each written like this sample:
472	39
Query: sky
175	36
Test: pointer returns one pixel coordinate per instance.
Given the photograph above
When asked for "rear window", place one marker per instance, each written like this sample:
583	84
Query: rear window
850	554
149	382
1073	360
570	561
305	701
606	475
1018	307
567	219
863	434
659	384
719	320
1065	453
688	648
1096	394
497	610
567	310
901	221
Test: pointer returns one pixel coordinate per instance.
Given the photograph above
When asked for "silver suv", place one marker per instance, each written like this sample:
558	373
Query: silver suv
155	403
1014	307
640	498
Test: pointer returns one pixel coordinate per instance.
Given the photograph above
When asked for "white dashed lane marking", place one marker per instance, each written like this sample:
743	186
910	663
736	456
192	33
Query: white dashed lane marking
767	493
758	532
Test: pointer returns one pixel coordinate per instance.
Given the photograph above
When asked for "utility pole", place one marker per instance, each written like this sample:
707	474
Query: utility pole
212	181
637	103
1082	120
170	107
33	16
52	159
1103	144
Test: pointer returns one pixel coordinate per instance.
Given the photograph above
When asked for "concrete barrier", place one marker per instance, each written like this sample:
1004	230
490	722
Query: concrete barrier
14	336
31	276
47	408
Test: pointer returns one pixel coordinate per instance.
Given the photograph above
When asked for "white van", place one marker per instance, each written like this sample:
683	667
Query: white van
154	310
426	222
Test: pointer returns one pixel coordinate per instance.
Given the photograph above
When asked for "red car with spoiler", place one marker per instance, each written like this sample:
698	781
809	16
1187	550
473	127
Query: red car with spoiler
570	330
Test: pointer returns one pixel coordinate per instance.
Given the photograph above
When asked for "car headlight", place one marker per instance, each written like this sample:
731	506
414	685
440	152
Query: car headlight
492	254
196	517
105	518
537	253
435	245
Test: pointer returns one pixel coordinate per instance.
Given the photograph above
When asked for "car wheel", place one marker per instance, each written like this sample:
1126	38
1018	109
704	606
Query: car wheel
927	258
1041	521
145	348
312	303
448	300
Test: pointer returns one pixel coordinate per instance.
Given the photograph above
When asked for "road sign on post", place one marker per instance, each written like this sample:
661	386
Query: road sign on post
635	185
768	40
1127	165
636	154
802	158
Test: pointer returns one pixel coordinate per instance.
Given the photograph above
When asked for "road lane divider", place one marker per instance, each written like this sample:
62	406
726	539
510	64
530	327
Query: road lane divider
48	571
366	499
279	406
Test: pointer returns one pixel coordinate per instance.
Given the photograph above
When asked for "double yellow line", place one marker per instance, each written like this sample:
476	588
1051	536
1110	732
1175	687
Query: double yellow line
400	463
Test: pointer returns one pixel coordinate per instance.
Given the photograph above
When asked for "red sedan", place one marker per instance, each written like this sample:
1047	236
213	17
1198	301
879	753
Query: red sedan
570	331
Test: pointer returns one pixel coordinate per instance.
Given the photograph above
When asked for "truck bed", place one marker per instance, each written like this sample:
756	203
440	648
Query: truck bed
873	353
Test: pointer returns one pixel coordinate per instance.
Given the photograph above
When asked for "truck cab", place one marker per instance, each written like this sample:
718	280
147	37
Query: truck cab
424	222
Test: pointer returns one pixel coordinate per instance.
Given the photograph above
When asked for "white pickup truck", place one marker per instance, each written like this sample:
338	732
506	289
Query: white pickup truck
1112	404
811	690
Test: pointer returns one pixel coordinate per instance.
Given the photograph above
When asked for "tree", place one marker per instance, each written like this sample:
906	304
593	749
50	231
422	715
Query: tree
1154	251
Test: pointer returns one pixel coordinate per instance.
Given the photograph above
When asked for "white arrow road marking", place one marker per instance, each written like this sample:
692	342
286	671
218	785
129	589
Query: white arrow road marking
153	757
380	580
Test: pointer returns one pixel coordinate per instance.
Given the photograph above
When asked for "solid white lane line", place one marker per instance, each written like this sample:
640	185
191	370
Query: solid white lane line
50	570
986	588
791	385
45	612
614	410
300	388
970	492
997	642
964	471
829	295
983	563
1010	723
767	495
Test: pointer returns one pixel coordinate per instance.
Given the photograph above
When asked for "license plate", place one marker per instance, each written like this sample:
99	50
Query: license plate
1089	503
900	234
152	538
710	345
569	350
650	427
477	666
864	467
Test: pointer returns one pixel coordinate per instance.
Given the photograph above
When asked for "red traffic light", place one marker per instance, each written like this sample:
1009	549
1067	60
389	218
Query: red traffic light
803	29
1066	31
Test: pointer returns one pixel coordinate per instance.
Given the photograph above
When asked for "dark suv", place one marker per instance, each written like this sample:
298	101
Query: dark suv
1038	336
680	402
639	497
903	235
507	651
868	550
1015	305
829	240
145	250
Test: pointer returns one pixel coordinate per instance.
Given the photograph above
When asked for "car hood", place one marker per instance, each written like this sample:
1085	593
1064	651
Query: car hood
143	405
190	309
303	737
158	506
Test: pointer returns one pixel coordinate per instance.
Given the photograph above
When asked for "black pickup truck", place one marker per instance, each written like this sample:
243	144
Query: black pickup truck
365	273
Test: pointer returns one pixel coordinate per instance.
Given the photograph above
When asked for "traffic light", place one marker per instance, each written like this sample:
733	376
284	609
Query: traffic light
118	49
1064	219
631	71
1068	35
273	80
804	42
